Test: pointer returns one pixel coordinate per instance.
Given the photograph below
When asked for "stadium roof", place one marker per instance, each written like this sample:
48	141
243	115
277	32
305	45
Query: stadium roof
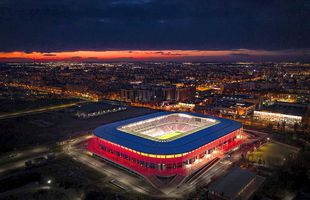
182	145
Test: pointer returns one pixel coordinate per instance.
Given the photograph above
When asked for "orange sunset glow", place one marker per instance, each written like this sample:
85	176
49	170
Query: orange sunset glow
135	54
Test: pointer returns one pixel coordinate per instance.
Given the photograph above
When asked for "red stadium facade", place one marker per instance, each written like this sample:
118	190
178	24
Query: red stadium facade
160	167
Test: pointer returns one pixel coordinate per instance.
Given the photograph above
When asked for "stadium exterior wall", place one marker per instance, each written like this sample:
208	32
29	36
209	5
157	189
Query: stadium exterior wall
165	165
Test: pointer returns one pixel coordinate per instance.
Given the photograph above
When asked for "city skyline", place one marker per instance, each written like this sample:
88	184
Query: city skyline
161	55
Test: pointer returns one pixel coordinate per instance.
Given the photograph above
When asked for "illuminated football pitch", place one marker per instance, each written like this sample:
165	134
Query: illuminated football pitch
169	127
170	135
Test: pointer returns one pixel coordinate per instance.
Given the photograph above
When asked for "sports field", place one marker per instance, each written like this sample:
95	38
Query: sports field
273	154
170	135
168	127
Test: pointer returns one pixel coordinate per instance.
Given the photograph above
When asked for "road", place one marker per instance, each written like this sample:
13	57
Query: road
38	110
17	159
132	182
258	133
216	170
35	187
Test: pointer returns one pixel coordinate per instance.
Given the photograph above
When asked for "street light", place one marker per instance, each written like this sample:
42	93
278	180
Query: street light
49	181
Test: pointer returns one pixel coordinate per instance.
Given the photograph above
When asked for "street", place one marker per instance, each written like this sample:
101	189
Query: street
38	110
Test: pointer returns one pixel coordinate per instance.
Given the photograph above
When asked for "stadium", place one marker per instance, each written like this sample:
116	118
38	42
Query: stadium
165	147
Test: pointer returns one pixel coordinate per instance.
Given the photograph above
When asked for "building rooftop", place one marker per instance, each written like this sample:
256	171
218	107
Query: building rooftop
286	108
94	107
233	183
233	103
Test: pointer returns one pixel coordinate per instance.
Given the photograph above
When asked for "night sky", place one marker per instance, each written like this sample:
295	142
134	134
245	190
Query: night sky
243	29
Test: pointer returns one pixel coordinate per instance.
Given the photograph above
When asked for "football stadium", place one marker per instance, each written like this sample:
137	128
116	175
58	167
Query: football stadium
165	147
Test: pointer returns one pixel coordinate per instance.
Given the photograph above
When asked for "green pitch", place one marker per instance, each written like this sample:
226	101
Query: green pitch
170	135
148	128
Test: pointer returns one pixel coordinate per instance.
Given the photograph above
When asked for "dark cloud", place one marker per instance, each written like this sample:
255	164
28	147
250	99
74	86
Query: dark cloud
67	25
49	54
15	59
168	53
240	55
76	57
92	58
119	2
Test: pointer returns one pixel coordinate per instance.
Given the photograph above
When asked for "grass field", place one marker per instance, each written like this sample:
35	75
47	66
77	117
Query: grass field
167	129
170	135
273	154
